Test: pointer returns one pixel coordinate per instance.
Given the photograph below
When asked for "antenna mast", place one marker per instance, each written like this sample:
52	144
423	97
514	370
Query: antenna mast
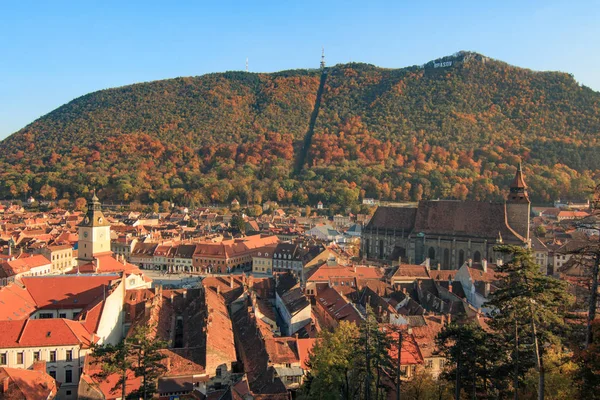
246	64
322	57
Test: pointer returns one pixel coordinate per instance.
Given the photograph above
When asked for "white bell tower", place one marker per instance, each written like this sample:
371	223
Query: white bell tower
94	234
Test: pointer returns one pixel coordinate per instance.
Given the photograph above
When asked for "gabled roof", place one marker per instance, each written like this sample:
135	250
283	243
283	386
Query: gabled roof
15	303
25	384
43	333
67	291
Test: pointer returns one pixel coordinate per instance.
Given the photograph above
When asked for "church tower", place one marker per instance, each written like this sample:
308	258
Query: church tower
518	206
94	234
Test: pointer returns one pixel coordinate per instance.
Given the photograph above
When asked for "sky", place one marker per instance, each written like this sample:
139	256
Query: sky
54	51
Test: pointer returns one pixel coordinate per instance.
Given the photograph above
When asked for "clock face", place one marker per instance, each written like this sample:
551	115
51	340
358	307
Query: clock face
87	220
85	234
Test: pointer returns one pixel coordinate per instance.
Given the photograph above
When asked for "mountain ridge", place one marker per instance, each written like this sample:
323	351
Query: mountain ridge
453	127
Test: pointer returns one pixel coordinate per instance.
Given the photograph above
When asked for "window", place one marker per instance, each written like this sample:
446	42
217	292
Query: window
45	315
68	376
53	356
36	356
3	359
68	392
52	374
442	363
429	364
219	372
62	315
69	356
20	358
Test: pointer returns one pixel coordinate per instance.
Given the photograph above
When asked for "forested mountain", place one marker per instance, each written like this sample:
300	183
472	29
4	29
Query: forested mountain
453	128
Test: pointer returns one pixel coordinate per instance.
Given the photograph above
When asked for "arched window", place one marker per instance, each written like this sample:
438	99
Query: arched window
431	253
461	258
477	256
446	258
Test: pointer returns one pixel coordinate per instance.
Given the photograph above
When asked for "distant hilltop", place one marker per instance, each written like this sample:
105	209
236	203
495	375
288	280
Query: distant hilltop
455	127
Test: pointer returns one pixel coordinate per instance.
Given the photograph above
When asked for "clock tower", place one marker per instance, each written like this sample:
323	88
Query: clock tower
94	234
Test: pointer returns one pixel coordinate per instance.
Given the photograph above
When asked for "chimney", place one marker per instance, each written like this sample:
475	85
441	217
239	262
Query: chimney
5	383
39	366
484	265
428	263
439	266
449	285
231	281
171	298
184	293
218	289
470	261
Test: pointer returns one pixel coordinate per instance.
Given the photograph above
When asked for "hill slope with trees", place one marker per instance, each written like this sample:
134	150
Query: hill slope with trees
453	128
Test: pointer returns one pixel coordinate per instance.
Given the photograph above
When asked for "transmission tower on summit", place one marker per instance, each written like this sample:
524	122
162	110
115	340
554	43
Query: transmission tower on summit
322	57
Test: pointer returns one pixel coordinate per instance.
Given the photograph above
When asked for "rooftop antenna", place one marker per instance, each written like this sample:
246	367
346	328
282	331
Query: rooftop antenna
322	57
246	64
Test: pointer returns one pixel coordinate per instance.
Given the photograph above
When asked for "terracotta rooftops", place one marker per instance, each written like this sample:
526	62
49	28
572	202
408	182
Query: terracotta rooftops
282	350
27	384
42	333
67	291
324	273
15	303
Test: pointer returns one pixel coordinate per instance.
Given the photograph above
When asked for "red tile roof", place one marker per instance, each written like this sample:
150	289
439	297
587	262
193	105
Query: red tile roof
304	348
15	303
324	273
43	333
67	291
282	350
28	385
411	354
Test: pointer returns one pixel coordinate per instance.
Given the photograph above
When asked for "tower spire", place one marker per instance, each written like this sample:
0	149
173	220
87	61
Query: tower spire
246	64
322	57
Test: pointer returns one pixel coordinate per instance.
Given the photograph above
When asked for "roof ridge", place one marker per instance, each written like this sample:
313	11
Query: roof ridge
22	330
67	322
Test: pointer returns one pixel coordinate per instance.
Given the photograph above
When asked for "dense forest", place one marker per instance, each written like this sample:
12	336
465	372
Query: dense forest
456	131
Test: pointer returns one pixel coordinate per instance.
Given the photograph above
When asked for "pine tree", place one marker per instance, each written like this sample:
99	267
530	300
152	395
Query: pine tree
140	354
114	359
374	362
531	304
474	357
146	352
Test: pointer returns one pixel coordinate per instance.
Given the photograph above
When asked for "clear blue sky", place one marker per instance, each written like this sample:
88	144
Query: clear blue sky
54	51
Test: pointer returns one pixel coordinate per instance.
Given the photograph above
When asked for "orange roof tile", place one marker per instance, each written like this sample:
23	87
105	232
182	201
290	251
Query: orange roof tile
27	384
67	291
42	333
304	348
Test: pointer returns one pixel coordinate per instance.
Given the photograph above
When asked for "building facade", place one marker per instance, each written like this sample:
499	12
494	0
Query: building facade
449	232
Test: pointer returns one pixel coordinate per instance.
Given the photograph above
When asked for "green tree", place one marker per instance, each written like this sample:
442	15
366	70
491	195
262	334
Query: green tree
114	359
588	372
145	351
540	231
374	361
165	205
332	360
238	223
255	211
474	357
80	204
531	304
139	353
